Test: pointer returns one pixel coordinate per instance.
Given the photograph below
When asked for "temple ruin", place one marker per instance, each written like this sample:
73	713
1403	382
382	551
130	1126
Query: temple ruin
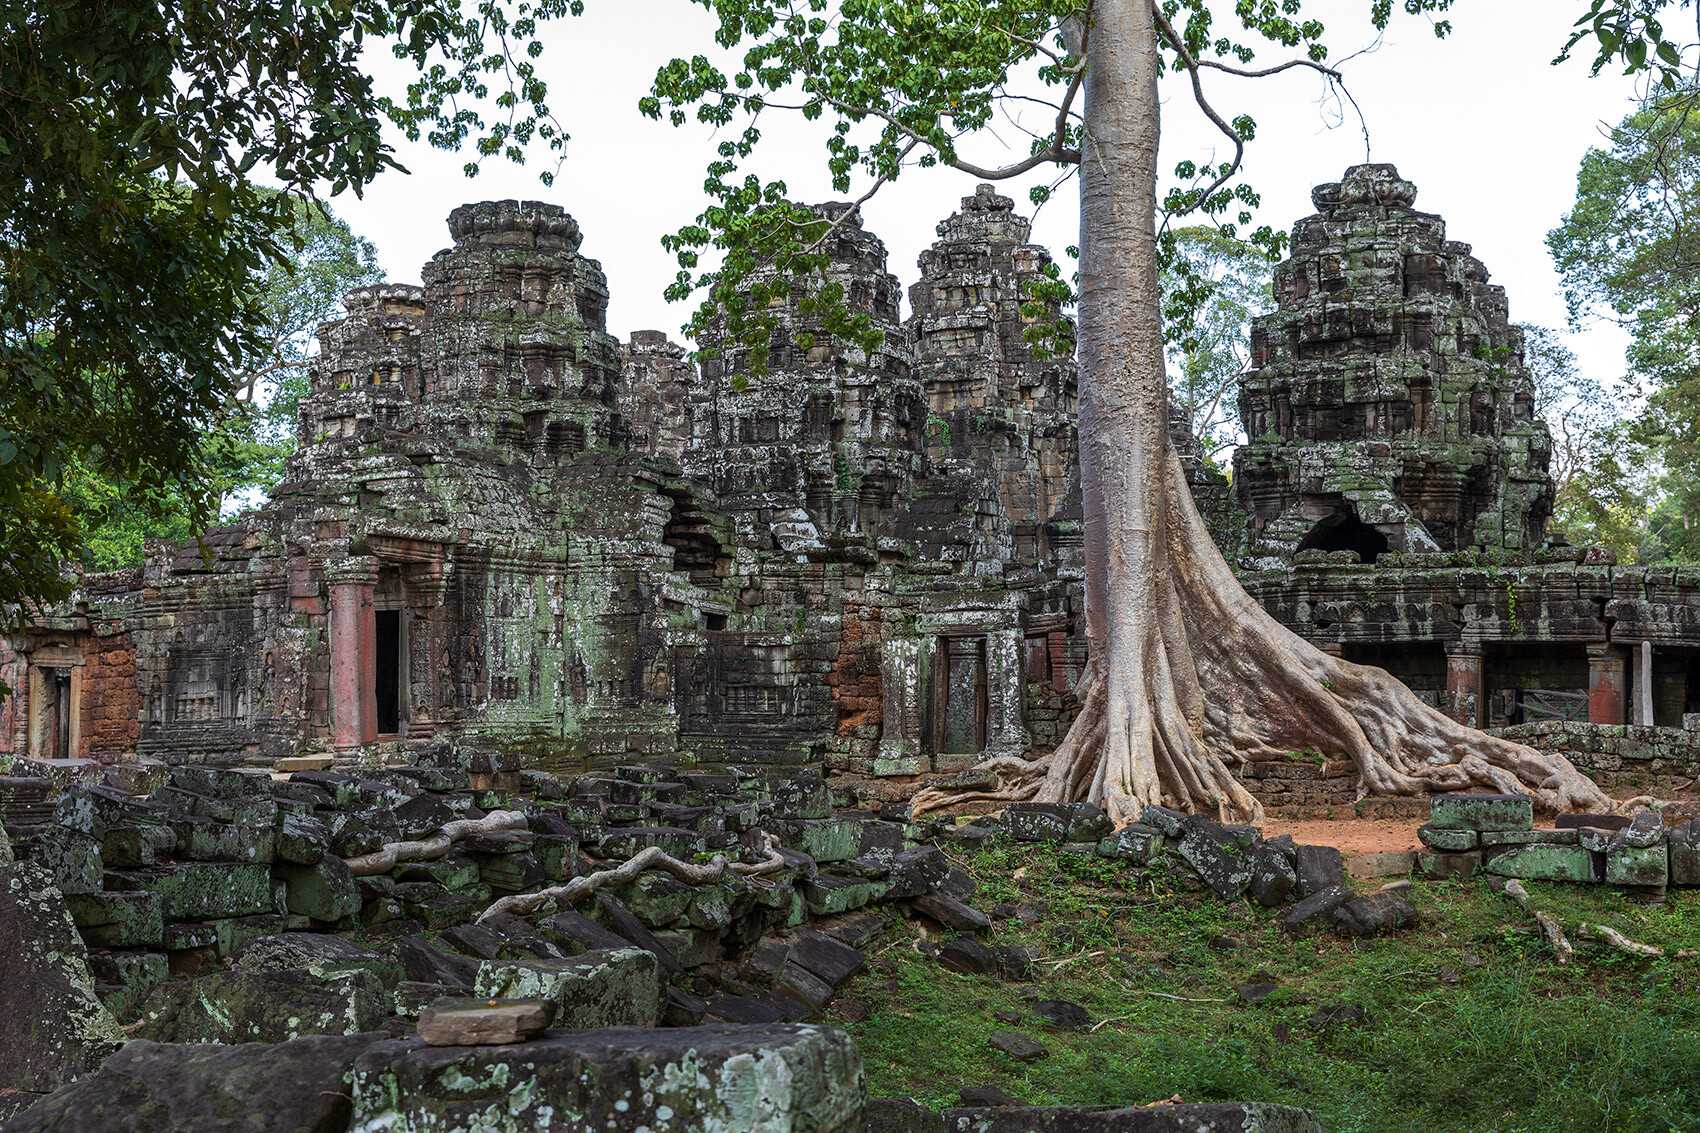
503	525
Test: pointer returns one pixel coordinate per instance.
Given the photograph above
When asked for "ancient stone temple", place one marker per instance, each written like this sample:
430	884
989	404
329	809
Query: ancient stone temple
1387	408
1396	490
502	525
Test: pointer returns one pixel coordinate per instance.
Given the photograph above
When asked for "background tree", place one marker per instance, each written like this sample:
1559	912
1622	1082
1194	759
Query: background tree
254	432
1212	285
1600	491
1629	252
1187	675
135	233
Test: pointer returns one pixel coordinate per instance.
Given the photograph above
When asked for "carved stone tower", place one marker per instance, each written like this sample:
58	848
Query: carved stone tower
1388	407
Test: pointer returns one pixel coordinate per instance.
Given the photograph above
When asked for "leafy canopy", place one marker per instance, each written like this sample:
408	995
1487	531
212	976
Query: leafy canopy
913	84
135	236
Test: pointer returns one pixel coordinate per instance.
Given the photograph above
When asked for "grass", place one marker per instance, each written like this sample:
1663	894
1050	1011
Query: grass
1471	1026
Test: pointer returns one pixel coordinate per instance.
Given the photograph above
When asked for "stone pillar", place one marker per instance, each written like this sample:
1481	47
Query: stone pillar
901	662
1463	700
1644	684
354	662
1006	708
1606	684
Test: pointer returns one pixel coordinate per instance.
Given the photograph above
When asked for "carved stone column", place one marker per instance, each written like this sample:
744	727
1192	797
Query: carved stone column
1463	701
354	662
1607	683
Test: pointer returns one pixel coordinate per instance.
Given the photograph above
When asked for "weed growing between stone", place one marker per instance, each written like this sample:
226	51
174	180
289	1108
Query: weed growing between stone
1468	1023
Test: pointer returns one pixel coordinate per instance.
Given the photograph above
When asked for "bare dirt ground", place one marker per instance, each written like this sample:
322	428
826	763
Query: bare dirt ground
1349	835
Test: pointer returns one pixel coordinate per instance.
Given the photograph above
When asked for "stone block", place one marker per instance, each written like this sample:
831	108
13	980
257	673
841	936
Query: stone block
119	920
325	891
1135	843
1369	867
1638	866
1218	858
54	1028
483	1022
1481	812
618	988
194	891
715	1077
264	1006
147	1087
1563	837
1320	868
1543	862
1376	913
1684	846
1448	841
1440	867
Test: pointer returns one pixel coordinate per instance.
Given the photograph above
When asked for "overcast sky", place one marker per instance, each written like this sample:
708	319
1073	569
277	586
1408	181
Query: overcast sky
1490	132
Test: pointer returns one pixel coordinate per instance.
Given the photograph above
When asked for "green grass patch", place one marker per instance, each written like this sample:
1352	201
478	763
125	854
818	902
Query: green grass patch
1471	1024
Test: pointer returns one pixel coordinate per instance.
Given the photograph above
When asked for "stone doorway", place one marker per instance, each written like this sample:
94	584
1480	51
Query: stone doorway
389	671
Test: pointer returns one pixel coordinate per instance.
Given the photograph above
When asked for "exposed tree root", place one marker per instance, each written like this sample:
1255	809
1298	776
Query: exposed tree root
1211	682
429	849
652	857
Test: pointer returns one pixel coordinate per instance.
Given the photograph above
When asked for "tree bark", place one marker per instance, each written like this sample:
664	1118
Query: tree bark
1188	677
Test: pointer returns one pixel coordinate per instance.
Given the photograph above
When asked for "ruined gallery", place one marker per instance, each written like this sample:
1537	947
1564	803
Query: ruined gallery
504	526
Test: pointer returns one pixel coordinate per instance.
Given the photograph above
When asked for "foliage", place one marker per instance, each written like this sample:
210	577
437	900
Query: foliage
134	234
1629	250
1213	284
1600	494
1471	1025
906	84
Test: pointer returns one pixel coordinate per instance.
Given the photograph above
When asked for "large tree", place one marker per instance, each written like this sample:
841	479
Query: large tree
1188	677
137	228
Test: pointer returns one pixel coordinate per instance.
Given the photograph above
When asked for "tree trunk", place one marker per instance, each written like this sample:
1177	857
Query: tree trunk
1188	676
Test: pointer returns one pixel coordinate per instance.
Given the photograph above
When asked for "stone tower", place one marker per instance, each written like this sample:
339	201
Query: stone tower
1388	407
996	410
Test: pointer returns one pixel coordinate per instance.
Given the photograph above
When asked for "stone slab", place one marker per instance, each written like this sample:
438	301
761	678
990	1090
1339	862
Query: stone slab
454	1021
775	1078
1481	812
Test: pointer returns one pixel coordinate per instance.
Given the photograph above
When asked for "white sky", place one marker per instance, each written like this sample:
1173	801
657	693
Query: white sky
1489	131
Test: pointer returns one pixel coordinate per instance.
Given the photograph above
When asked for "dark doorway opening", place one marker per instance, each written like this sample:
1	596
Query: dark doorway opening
1347	533
389	671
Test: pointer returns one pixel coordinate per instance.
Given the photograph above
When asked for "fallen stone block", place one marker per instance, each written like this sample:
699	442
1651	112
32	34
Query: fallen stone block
1310	910
1447	841
1641	866
1320	868
147	1087
325	891
951	913
1368	867
201	891
52	1027
1022	1048
1440	867
1218	857
1481	812
1378	912
264	1007
1542	862
619	1081
483	1022
1135	843
618	988
119	920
